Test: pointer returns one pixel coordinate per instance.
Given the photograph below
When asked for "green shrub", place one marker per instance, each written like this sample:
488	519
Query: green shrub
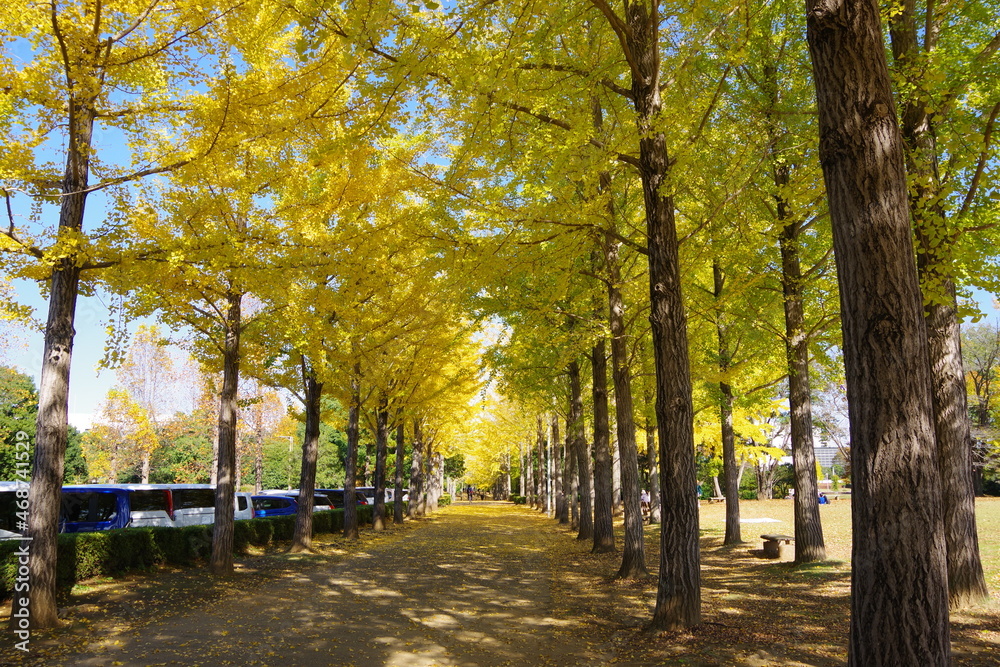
444	500
518	500
108	553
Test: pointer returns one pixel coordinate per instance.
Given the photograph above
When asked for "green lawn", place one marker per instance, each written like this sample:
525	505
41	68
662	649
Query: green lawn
837	528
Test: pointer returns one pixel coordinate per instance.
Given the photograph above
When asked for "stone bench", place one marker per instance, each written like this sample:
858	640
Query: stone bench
778	546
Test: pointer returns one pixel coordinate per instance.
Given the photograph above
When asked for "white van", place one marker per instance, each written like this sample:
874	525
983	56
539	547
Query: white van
194	504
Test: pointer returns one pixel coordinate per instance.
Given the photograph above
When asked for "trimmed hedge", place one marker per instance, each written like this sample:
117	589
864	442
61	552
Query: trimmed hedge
112	552
518	500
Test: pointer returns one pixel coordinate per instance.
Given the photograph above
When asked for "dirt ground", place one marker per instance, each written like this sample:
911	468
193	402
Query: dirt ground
476	584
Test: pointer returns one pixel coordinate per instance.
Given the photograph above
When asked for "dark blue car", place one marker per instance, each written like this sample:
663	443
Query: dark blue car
264	506
86	509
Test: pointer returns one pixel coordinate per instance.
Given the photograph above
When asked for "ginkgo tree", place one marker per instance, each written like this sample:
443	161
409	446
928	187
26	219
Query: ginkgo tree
123	438
946	64
137	73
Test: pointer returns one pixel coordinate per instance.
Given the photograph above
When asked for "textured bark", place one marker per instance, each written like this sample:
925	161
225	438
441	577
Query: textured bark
678	599
809	543
966	581
899	600
225	489
381	454
529	467
416	472
521	484
302	539
550	478
397	504
582	455
351	463
633	554
604	530
538	472
435	480
573	478
559	466
730	468
654	473
53	390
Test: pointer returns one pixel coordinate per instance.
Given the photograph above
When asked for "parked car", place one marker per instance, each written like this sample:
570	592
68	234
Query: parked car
84	509
369	493
321	502
94	507
390	494
174	504
336	496
271	505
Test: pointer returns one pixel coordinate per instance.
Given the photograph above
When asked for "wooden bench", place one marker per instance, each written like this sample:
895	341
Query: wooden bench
778	546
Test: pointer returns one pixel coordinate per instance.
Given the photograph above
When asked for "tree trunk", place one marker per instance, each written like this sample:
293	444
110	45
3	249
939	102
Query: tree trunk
729	466
53	392
559	461
572	477
899	601
416	472
604	529
50	441
529	467
225	488
654	474
634	552
586	524
538	468
506	477
258	460
381	454
436	477
678	600
966	581
616	479
809	543
351	463
302	539
397	495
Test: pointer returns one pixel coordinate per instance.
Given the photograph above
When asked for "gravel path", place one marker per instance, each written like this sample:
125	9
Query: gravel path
470	586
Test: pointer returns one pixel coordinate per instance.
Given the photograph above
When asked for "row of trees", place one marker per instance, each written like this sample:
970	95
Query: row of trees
330	198
565	202
250	207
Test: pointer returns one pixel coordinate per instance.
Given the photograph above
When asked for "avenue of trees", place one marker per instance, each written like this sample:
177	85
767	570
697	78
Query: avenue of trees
596	247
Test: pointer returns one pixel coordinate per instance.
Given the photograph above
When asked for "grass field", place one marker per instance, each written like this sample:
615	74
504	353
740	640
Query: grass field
837	528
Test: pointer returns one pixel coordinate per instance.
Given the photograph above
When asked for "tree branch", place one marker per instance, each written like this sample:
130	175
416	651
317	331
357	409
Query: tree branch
983	159
544	118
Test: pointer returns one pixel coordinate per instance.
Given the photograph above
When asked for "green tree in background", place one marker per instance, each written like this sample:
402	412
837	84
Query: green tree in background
18	411
74	466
